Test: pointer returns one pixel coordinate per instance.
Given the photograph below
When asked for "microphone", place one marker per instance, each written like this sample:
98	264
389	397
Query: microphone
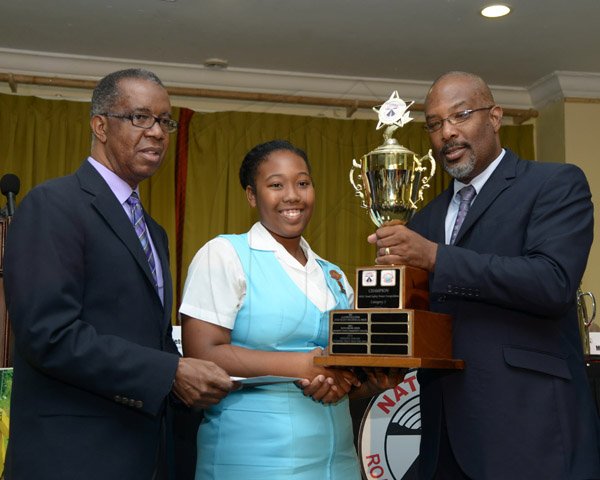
9	186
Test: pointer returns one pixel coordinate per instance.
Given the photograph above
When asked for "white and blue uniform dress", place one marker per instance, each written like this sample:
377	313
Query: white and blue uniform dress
274	431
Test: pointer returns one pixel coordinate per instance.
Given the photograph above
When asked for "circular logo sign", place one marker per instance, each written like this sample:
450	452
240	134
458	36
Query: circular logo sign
390	432
391	111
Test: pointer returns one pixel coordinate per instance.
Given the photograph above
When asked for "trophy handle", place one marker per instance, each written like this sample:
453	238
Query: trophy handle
421	177
585	318
425	180
358	188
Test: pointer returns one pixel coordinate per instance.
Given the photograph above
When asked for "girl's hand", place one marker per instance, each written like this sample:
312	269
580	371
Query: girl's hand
326	385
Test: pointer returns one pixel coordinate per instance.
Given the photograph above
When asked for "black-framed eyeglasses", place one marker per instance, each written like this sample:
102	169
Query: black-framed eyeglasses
459	117
146	121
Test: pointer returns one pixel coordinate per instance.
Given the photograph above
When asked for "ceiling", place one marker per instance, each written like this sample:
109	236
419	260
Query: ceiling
414	40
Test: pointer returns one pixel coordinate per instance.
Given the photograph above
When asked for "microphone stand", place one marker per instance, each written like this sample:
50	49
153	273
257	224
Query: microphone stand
5	330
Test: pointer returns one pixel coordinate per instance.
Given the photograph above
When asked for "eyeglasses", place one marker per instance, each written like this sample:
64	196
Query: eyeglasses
454	119
143	120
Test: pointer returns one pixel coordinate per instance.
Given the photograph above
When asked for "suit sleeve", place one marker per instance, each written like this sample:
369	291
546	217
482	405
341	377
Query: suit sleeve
47	266
542	274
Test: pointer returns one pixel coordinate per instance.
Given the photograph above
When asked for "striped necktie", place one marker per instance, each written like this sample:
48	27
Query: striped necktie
137	218
466	194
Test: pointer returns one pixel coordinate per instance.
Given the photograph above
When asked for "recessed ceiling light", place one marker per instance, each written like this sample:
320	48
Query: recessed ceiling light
495	11
216	63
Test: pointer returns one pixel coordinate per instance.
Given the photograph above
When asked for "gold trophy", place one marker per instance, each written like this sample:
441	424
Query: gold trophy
392	178
390	325
391	184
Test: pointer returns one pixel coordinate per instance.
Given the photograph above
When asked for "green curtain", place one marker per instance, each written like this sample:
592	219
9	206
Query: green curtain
216	203
42	139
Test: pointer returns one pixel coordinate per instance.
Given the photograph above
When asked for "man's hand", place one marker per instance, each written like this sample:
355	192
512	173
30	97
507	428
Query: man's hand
200	383
379	380
398	245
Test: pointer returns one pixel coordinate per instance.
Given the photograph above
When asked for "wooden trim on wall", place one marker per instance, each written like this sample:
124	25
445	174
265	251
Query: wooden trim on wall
519	115
581	100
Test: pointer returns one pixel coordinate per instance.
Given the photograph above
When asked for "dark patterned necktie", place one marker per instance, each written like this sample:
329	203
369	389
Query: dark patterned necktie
466	194
139	224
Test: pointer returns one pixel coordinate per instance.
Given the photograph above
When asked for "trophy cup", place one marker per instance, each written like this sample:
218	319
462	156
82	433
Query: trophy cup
391	184
390	325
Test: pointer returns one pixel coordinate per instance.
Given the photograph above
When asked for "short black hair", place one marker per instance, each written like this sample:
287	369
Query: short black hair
259	154
106	93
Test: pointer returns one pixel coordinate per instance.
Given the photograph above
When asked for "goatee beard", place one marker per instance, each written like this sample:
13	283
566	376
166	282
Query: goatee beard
461	171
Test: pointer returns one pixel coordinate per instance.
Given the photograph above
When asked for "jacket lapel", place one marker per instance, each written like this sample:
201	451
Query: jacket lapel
499	181
163	255
438	215
112	212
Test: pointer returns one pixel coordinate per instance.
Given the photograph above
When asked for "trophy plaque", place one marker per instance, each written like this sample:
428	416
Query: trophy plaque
391	286
391	325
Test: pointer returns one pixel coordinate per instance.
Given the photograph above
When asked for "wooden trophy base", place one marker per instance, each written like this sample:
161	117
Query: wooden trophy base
404	338
391	325
386	361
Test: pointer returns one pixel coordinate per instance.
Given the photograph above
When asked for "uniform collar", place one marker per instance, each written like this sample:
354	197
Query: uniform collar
259	238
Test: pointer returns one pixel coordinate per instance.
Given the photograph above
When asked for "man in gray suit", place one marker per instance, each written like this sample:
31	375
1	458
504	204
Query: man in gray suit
506	246
89	295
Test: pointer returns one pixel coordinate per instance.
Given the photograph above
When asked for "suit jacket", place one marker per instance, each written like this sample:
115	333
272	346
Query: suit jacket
94	359
521	408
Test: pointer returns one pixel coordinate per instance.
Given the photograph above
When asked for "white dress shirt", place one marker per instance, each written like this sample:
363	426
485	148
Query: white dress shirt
478	182
216	284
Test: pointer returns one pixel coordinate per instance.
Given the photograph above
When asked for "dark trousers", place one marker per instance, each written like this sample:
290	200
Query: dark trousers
447	466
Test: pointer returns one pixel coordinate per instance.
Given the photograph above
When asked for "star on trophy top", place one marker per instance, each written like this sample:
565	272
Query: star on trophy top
393	113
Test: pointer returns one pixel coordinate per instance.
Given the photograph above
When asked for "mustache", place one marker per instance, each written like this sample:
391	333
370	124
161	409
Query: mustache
449	145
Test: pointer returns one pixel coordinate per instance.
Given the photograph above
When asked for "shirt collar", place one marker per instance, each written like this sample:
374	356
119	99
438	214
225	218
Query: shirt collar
118	186
259	238
479	181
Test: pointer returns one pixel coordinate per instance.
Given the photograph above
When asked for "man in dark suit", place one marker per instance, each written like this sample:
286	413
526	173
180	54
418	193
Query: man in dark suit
505	260
89	295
